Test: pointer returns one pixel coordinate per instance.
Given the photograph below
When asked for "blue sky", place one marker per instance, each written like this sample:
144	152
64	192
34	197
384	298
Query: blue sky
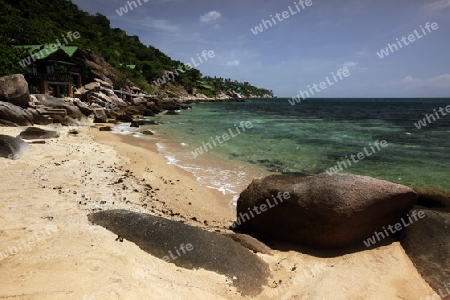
304	48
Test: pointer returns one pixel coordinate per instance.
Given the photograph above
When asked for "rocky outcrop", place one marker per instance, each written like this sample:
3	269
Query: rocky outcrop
427	243
433	198
84	108
60	103
98	94
13	114
32	133
11	147
14	89
164	238
322	211
103	83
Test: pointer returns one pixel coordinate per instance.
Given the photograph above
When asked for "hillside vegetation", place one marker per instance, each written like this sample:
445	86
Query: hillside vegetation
37	22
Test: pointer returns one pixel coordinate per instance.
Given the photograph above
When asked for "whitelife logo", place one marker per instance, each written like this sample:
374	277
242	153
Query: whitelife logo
391	48
302	95
243	217
430	118
361	155
48	49
398	226
243	126
281	17
124	9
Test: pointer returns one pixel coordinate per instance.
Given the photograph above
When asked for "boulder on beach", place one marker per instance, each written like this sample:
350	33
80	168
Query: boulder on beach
14	89
13	114
322	211
427	243
11	147
164	238
32	133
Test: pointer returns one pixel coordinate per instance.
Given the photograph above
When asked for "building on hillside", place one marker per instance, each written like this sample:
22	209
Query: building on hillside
53	68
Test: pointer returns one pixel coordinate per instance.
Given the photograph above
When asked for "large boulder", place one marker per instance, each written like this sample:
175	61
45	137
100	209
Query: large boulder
84	108
322	211
39	119
11	147
84	92
93	87
32	133
138	101
427	243
164	238
13	114
14	89
59	103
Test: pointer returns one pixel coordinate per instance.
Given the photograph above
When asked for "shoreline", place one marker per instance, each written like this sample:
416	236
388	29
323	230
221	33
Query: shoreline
69	177
166	176
227	176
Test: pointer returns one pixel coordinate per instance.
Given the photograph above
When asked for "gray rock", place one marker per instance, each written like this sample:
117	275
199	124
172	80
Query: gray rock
103	83
138	101
86	91
427	243
4	123
322	211
13	114
210	251
93	87
100	116
11	147
84	108
32	133
59	103
126	118
138	123
38	118
14	89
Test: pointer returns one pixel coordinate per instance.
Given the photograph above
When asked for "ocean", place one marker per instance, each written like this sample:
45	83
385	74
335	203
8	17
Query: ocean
309	138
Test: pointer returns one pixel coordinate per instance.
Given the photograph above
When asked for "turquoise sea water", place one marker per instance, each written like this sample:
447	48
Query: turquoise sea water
314	135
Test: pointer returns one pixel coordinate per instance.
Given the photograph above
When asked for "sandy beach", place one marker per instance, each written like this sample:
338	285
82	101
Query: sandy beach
49	249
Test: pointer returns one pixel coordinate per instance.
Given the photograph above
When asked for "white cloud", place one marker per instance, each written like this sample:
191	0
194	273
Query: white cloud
437	6
233	63
210	16
352	65
361	53
160	24
438	81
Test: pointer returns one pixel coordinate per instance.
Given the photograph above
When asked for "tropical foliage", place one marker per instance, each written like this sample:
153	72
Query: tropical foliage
37	22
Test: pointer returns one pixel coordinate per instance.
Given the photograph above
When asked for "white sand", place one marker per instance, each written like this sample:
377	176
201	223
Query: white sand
50	190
